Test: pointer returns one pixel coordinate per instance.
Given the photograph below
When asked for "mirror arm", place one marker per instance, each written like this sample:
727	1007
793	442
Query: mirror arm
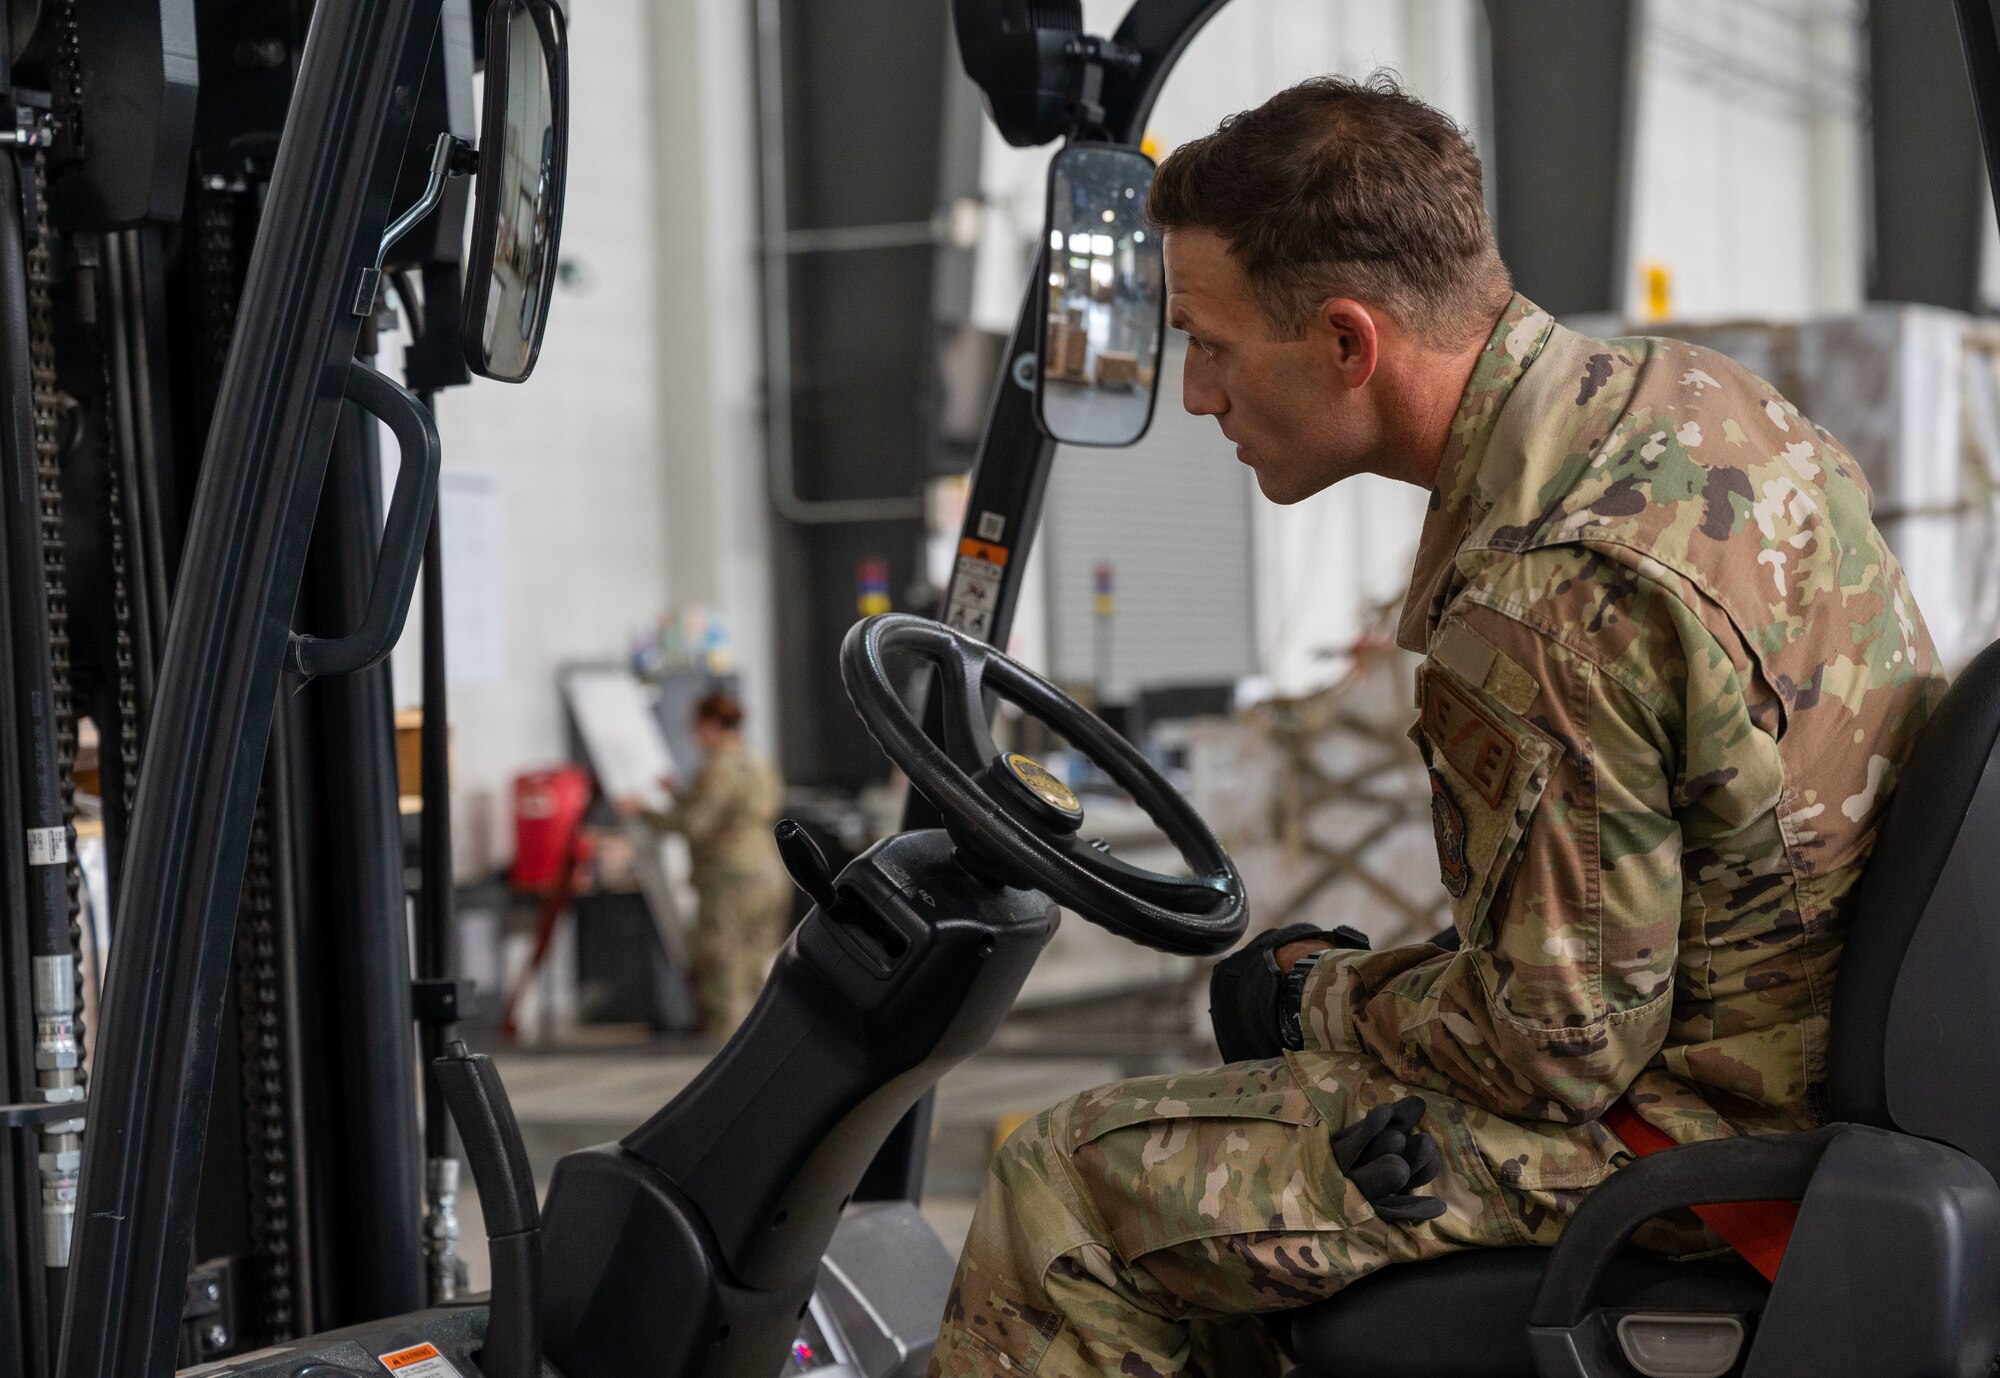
1091	55
452	157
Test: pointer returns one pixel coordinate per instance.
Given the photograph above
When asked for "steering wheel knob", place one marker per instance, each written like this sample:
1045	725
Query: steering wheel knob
1021	783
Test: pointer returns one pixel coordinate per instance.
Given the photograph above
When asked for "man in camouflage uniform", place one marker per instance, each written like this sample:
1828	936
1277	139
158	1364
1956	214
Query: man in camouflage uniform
743	896
1671	673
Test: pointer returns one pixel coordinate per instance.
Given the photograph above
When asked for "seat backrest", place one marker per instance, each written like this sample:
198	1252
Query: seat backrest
1916	1008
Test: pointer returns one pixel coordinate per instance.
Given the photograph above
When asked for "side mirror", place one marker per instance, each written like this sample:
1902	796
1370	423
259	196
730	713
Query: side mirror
1099	352
523	159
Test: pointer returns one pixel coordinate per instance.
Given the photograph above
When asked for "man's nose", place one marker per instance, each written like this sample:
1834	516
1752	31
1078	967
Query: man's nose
1201	394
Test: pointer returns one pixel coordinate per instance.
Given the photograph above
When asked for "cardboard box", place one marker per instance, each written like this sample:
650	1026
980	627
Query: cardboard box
1117	368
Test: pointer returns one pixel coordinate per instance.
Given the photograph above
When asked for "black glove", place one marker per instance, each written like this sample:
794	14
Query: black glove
1246	991
1383	1154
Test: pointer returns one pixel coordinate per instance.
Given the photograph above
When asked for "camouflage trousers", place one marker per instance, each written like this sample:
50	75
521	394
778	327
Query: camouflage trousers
1134	1230
739	923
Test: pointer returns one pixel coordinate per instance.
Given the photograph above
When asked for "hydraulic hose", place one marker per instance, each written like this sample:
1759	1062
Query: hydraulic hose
434	916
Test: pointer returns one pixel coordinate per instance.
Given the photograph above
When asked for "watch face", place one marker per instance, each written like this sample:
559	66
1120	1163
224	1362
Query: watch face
1042	784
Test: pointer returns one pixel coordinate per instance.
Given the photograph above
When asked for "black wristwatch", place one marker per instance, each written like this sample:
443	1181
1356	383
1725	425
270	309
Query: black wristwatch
1291	995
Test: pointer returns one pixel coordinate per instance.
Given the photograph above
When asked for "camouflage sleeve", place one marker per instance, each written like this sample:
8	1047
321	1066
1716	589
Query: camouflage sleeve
704	810
1553	740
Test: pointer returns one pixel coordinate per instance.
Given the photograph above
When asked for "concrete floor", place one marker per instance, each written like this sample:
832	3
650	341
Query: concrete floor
572	1099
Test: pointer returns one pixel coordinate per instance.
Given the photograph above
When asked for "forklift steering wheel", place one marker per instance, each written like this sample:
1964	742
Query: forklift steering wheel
1016	817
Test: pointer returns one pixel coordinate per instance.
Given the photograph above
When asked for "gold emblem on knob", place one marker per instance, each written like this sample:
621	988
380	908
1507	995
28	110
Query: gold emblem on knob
1042	784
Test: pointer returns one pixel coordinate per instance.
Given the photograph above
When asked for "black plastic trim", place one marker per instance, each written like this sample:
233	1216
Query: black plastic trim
1762	1167
403	532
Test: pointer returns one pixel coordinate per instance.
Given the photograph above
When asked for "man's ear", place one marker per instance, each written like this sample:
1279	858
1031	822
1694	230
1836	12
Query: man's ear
1353	343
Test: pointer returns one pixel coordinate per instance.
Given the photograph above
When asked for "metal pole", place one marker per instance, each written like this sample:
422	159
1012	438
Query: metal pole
358	867
434	930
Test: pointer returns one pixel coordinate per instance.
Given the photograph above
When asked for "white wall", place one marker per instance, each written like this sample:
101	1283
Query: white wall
626	467
1751	148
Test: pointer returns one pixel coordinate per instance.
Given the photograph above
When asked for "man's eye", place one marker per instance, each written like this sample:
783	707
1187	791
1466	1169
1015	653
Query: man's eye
1207	349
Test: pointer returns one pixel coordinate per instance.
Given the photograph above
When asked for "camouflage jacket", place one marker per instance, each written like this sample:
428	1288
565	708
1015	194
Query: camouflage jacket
726	814
1671	673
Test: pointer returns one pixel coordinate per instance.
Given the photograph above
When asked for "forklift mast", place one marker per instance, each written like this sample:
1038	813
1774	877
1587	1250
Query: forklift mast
185	176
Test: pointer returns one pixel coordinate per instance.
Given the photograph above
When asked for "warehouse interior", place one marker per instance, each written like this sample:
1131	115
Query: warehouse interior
388	565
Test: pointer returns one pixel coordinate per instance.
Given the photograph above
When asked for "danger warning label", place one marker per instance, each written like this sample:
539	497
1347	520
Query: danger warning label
418	1361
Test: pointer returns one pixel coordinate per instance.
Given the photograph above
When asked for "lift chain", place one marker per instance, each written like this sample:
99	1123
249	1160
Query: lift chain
260	992
128	690
216	267
49	406
267	1138
66	80
124	637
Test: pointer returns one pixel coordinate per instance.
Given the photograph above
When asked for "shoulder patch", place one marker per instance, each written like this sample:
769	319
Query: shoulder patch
1469	737
1478	662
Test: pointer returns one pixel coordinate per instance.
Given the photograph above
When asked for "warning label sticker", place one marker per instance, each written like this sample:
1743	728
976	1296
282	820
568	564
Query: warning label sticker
47	846
975	588
419	1361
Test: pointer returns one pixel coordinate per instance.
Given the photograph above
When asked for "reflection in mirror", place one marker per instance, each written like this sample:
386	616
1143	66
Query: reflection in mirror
1100	351
522	154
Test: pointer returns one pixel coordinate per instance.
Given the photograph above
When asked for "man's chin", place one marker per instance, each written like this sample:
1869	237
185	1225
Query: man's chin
1285	489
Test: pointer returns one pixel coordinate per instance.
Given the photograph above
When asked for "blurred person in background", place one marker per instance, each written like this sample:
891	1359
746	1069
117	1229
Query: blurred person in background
743	895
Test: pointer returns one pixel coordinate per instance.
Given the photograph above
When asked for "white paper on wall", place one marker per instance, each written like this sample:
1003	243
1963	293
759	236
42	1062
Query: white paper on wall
475	579
622	737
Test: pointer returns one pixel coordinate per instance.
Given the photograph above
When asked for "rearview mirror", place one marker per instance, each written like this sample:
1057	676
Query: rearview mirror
523	157
1100	338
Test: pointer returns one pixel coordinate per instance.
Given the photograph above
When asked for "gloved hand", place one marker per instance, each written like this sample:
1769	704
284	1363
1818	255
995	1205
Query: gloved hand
1246	989
1383	1154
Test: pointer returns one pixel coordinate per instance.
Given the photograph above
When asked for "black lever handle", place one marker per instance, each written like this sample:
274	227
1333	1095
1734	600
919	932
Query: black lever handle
499	1162
403	531
806	863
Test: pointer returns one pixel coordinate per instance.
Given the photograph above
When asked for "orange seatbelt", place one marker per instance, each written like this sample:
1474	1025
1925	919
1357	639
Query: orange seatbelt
1758	1230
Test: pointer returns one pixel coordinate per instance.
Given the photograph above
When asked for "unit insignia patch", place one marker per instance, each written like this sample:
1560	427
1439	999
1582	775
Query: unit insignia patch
1449	822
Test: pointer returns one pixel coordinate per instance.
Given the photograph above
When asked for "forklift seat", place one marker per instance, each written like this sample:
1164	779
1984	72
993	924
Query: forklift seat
1894	1268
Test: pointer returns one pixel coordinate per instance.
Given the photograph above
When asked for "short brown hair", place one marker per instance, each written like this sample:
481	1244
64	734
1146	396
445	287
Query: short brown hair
721	709
1345	188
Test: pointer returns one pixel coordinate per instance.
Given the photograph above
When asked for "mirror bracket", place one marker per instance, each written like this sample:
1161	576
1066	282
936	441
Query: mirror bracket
1089	56
452	157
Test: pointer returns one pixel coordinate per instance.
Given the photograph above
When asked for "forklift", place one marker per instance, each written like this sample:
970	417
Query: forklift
764	1220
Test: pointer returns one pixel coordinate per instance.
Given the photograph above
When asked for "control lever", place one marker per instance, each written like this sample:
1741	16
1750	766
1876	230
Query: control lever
499	1161
806	863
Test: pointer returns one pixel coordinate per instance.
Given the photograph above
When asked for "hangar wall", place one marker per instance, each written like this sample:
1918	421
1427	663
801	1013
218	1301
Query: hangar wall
1747	202
627	478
